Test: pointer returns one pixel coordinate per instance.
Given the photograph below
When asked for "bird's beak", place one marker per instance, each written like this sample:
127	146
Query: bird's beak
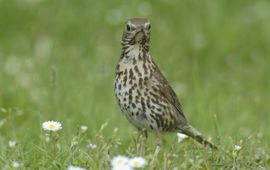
141	36
143	31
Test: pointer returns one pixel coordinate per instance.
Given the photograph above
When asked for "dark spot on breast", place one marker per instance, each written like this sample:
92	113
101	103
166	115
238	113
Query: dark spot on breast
155	89
137	71
153	94
137	99
145	93
138	92
134	85
140	56
130	98
148	103
154	101
143	105
140	81
145	68
119	86
130	73
134	61
125	80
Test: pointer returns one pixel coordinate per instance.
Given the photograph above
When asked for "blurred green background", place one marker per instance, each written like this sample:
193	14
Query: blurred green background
57	61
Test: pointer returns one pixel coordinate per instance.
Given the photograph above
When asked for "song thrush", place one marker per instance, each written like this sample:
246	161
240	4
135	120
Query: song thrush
144	95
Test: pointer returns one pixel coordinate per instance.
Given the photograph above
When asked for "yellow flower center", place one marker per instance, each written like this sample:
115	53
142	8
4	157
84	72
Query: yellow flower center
51	126
120	162
136	163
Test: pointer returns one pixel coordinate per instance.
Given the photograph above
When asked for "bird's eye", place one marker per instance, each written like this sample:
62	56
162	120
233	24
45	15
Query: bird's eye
148	26
128	27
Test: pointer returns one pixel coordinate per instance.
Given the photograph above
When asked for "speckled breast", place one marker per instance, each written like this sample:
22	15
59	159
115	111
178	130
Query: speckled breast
129	96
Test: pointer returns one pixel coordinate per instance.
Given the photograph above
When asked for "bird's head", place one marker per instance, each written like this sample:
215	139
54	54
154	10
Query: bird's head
136	31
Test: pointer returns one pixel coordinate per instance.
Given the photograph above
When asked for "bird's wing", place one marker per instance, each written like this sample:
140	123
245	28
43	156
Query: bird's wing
167	92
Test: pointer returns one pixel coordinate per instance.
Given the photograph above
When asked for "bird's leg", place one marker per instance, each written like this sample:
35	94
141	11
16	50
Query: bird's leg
141	140
159	143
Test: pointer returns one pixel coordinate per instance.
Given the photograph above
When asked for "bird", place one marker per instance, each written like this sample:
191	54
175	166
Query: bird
143	93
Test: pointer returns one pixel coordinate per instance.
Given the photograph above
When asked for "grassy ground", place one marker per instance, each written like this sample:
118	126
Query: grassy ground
57	61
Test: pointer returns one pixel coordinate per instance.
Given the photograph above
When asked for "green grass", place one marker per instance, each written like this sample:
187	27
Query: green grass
57	61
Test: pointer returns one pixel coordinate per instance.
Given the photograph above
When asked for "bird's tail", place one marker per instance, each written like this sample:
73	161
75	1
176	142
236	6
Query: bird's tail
195	134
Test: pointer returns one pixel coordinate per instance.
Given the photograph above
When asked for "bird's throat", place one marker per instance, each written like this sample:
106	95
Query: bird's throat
132	54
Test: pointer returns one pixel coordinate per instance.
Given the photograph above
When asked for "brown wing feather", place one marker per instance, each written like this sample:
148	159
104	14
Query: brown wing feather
167	91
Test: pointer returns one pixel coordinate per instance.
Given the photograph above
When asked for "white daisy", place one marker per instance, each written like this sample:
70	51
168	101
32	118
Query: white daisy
84	128
15	164
119	160
74	168
181	137
137	162
237	147
122	167
52	126
92	146
12	143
